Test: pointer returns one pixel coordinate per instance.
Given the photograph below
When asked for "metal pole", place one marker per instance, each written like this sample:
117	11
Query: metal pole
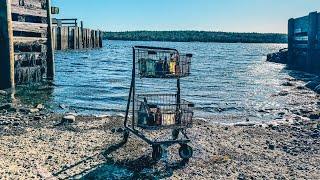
134	87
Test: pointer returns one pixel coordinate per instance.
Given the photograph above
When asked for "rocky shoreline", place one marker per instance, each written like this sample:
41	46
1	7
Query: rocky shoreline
91	148
39	144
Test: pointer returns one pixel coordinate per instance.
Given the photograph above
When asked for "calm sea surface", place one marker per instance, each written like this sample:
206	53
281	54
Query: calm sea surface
229	82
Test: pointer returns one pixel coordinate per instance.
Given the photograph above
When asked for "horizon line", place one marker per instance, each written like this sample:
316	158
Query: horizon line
122	31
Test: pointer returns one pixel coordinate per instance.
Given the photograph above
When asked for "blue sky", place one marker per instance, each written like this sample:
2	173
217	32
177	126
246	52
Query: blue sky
208	15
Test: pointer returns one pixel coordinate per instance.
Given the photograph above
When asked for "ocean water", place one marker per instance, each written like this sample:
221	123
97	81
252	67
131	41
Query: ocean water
229	82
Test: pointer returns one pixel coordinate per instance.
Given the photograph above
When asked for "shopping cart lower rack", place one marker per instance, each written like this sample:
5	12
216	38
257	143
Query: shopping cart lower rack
159	113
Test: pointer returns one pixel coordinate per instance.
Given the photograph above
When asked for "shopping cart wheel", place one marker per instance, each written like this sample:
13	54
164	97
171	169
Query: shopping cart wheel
175	134
126	136
157	152
185	152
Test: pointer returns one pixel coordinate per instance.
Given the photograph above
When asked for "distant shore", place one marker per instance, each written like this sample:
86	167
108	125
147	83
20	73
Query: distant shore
197	36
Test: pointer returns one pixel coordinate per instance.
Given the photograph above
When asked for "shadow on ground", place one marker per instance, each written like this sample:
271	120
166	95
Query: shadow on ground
141	168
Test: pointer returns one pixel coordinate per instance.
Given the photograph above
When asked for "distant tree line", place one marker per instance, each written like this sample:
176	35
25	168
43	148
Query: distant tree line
197	36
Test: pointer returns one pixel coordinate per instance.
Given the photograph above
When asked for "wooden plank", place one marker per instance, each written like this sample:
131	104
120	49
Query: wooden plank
30	40
6	46
28	11
40	4
30	27
28	56
31	46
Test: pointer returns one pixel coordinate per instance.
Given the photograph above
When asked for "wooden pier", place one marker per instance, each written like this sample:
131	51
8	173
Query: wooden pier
28	40
304	43
67	35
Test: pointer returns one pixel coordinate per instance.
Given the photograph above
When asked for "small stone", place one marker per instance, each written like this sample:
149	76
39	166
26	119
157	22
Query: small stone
69	119
16	124
283	93
40	106
247	119
37	118
226	128
241	177
62	106
314	116
33	110
4	123
287	84
285	148
49	157
3	93
113	130
271	146
120	130
6	106
315	135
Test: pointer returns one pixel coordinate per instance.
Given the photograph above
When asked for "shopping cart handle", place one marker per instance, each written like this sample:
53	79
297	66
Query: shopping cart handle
191	105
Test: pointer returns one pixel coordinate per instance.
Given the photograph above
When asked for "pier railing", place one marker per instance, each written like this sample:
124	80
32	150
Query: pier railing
304	42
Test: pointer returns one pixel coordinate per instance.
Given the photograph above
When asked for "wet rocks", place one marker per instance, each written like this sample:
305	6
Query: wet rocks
314	116
8	107
283	93
63	106
287	84
33	110
3	93
40	106
314	85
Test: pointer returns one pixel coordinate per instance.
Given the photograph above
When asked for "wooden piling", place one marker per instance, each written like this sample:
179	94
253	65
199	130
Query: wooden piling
312	41
290	42
6	46
50	50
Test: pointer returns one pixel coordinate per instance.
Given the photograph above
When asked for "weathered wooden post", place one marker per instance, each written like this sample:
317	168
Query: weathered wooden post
82	39
312	64
6	46
59	38
291	42
50	51
100	38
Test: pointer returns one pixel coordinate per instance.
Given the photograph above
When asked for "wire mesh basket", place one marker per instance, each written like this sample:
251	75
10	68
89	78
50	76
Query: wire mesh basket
161	63
159	111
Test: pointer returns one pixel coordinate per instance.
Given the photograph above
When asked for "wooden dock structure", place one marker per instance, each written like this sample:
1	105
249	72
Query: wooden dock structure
304	43
67	35
28	40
